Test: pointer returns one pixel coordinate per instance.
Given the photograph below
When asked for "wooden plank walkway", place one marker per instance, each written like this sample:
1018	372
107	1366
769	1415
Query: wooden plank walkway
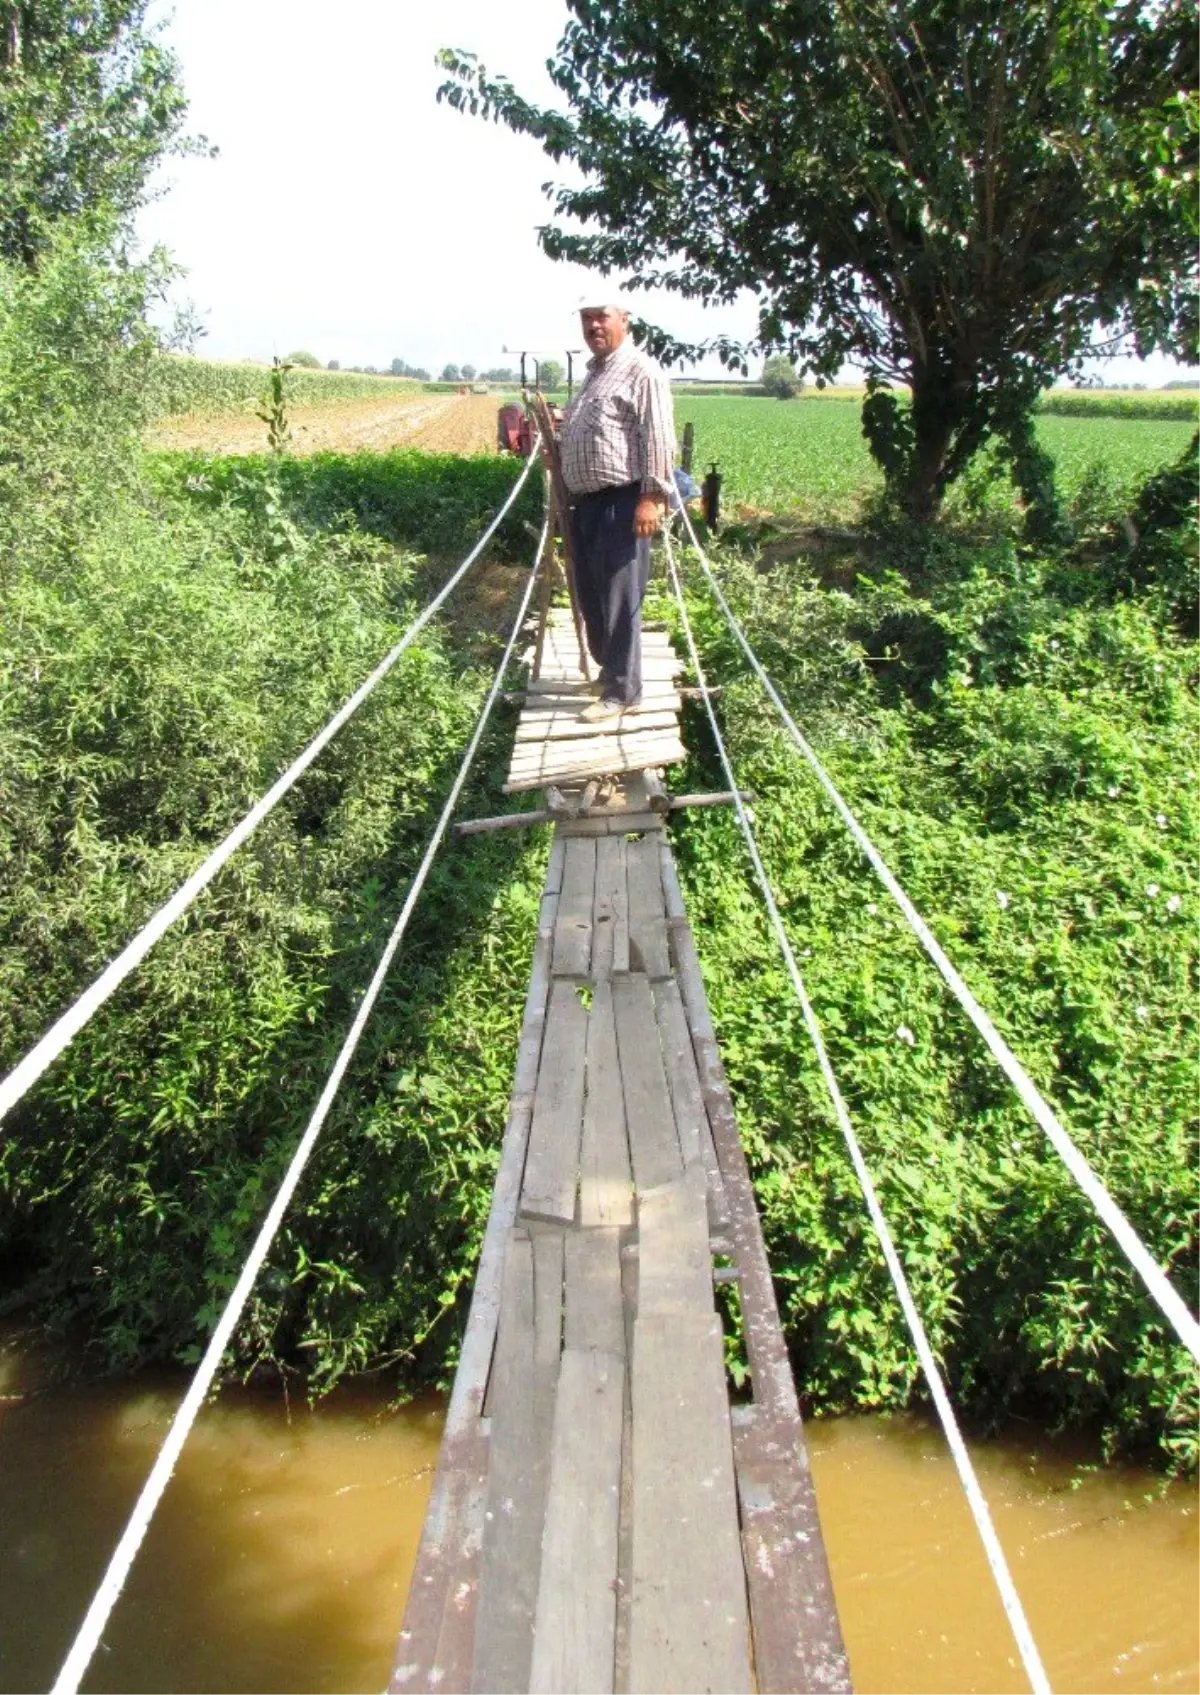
552	745
603	1518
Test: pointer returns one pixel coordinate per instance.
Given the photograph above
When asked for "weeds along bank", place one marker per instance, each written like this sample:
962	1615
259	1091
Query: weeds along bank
169	642
1017	733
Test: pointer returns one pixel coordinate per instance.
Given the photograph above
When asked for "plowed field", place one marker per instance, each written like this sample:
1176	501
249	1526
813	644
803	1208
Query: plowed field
435	423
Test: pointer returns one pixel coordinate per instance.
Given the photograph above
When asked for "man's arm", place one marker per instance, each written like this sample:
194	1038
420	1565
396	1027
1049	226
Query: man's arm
656	431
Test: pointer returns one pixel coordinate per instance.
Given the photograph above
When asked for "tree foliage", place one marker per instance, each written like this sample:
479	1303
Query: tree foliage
550	374
953	196
89	101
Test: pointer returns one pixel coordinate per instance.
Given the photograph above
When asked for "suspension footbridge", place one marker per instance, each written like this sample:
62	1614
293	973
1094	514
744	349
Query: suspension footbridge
606	1515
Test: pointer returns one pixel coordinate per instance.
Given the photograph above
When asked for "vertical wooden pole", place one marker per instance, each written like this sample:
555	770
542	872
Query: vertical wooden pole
546	424
547	586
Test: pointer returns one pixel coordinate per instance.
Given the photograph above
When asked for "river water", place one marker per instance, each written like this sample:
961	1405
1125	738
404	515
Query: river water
280	1556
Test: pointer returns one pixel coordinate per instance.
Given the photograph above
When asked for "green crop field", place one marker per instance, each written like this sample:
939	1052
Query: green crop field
809	454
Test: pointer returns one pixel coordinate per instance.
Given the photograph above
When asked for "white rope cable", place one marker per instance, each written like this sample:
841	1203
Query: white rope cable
1010	1600
1170	1303
113	1581
39	1058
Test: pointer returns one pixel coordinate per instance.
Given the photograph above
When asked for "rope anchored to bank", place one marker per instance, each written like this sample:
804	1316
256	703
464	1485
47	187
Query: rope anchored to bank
111	1585
39	1059
1170	1303
997	1562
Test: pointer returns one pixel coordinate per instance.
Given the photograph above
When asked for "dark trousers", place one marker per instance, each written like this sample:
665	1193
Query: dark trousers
612	567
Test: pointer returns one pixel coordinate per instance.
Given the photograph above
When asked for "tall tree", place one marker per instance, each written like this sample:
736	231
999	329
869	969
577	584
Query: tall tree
957	195
89	101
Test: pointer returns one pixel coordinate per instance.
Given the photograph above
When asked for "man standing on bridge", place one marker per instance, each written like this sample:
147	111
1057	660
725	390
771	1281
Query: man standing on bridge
618	452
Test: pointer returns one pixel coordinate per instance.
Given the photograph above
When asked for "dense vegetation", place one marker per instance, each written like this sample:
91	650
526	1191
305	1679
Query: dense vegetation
1018	734
170	640
1014	723
180	383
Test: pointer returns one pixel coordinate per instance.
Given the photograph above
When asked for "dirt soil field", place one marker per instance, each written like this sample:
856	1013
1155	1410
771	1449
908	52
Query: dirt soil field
435	423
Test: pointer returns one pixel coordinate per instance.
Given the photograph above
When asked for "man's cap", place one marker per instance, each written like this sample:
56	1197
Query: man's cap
590	303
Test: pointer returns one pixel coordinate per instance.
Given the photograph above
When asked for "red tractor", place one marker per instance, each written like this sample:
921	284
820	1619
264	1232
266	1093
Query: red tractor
514	430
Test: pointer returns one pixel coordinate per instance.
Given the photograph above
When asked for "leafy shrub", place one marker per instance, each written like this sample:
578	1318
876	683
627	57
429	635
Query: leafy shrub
152	696
74	353
439	502
1027	764
780	378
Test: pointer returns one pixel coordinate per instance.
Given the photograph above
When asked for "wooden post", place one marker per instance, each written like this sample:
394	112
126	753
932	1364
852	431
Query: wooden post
547	586
545	422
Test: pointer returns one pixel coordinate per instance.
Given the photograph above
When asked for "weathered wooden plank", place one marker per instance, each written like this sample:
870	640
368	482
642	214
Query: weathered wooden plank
689	1627
548	1267
602	765
439	1614
605	1180
455	1650
797	1638
576	1604
648	949
594	1315
549	696
510	1561
444	1587
687	1099
559	726
653	1144
610	916
573	920
589	744
551	1165
674	1259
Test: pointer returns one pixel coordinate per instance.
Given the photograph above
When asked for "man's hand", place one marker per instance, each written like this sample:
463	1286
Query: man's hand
648	514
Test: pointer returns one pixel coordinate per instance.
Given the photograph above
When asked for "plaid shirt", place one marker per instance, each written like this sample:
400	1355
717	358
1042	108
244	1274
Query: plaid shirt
620	427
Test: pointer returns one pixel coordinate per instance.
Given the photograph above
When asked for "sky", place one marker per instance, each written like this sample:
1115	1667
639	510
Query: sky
350	215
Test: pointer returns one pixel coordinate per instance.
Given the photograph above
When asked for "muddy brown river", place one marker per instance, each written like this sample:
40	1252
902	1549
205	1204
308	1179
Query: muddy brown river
280	1556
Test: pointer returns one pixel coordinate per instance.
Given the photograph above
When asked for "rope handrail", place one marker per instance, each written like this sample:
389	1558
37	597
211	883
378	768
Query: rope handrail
111	1584
976	1500
1168	1300
65	1028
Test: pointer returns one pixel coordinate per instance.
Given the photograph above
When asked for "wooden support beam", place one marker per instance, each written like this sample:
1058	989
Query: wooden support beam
614	815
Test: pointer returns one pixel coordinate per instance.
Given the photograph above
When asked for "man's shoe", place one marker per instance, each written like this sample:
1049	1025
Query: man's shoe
600	710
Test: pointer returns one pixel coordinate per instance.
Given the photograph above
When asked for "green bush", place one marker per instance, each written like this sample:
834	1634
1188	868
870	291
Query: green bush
437	502
1027	764
75	351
